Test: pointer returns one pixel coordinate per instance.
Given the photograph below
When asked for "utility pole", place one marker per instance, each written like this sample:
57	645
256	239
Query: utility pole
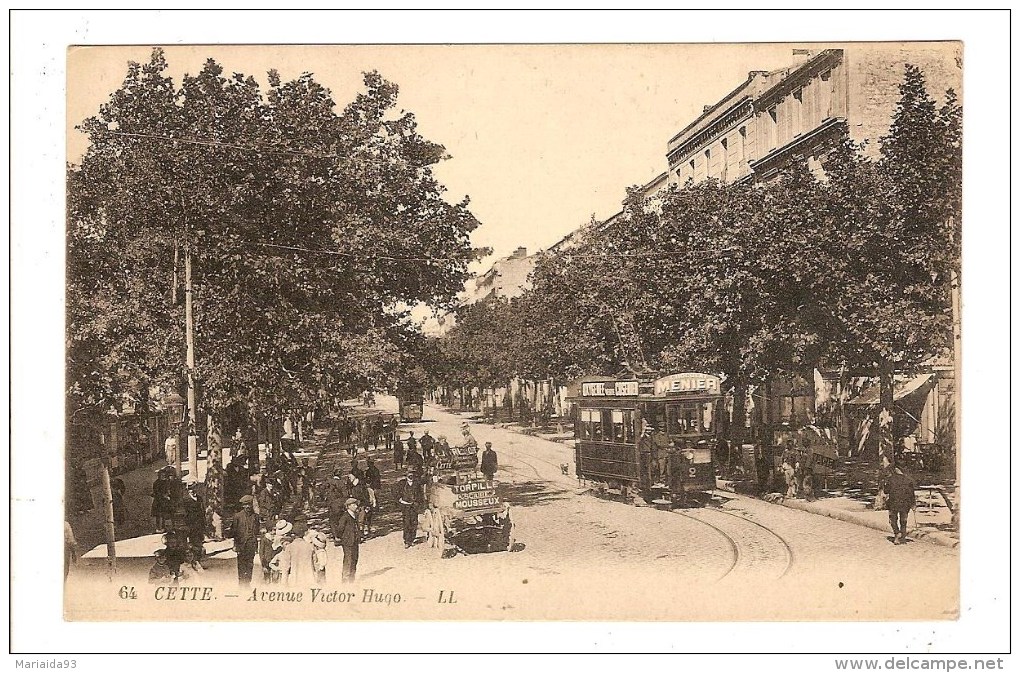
182	428
957	368
189	326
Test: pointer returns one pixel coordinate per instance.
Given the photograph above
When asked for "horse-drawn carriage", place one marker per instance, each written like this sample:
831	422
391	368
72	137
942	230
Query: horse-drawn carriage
464	509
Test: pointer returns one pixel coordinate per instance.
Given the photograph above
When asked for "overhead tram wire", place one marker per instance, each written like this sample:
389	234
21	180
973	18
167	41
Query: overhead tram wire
649	255
216	143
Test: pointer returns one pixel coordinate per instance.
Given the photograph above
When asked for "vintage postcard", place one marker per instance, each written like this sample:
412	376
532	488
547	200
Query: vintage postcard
585	332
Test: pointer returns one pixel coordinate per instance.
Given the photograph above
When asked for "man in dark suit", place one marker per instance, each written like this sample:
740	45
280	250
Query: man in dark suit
426	446
489	461
407	497
347	534
900	491
246	539
415	463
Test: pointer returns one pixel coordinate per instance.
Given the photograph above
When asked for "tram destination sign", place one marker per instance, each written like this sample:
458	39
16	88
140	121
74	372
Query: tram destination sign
687	382
609	388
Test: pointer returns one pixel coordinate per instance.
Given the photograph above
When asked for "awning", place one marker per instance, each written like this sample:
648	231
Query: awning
918	384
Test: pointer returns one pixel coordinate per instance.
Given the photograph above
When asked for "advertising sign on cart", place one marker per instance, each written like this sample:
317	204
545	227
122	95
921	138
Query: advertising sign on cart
476	494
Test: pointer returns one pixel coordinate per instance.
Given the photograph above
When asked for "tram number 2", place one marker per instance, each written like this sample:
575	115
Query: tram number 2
692	472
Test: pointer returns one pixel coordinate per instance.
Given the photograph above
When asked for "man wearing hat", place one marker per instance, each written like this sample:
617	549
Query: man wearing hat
900	491
489	462
654	451
246	539
194	515
347	535
415	462
407	497
469	440
426	446
270	503
161	508
412	443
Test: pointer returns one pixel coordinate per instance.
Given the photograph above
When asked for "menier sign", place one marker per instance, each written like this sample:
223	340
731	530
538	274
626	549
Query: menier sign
688	382
609	388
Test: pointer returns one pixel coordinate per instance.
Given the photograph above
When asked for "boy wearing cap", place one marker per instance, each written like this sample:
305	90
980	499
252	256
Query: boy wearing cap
320	557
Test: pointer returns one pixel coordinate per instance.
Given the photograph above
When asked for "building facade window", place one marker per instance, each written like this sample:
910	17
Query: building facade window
708	163
724	161
771	129
797	113
742	148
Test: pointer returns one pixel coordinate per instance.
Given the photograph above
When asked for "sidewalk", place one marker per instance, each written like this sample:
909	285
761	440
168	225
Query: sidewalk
89	528
930	521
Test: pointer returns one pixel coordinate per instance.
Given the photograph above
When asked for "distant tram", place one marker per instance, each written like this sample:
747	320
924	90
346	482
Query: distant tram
410	406
651	437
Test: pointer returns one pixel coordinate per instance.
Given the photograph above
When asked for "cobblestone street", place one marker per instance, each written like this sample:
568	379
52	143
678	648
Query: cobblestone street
736	558
792	561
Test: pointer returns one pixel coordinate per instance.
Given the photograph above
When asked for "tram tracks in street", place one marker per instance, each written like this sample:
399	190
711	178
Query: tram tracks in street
758	551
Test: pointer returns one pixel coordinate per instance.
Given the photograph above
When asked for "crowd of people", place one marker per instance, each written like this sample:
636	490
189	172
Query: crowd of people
178	512
366	431
267	504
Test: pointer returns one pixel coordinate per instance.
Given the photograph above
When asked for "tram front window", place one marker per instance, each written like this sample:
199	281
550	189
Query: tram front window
689	418
618	427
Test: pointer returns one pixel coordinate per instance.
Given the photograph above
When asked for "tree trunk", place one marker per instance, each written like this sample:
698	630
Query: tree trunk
885	413
534	404
739	423
182	444
261	433
214	479
108	523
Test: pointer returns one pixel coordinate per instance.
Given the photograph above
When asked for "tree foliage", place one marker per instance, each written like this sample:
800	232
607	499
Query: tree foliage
308	226
753	278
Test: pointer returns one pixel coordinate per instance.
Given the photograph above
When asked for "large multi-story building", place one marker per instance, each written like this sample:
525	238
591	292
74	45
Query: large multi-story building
798	113
508	277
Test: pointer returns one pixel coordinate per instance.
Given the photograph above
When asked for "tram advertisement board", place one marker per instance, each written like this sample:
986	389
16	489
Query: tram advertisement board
609	388
687	382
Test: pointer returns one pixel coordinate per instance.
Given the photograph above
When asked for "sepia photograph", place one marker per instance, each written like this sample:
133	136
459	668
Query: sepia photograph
555	332
300	386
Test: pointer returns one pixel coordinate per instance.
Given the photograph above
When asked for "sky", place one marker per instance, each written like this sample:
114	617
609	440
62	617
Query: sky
541	137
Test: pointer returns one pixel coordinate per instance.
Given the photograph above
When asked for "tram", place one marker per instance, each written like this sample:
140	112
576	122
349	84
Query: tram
650	437
411	405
